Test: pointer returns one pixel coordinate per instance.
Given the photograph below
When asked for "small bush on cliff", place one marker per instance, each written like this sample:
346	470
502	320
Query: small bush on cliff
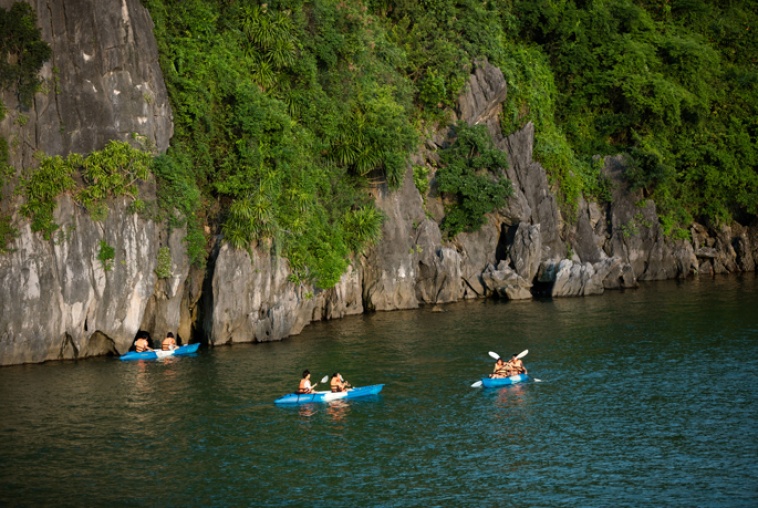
111	172
163	264
106	255
471	177
40	188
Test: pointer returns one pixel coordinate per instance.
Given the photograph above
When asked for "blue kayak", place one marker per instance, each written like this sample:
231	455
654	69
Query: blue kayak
489	382
303	398
159	353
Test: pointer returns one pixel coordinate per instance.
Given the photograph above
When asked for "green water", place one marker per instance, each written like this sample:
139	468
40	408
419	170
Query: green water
645	396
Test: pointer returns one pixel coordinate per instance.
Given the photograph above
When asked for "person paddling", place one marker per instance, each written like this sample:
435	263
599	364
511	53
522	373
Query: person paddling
305	383
338	384
516	366
500	369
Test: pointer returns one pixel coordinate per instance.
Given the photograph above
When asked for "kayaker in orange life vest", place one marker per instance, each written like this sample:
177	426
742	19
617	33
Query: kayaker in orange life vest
141	345
500	369
516	366
305	383
338	384
169	342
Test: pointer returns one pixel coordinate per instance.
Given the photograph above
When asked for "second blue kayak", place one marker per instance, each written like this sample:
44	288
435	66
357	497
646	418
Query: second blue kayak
303	398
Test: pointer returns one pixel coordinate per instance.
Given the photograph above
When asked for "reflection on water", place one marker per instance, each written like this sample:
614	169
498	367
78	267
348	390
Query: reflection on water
338	410
626	412
308	410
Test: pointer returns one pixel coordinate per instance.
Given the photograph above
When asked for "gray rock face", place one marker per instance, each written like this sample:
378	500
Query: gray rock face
390	268
525	251
504	282
103	82
482	99
166	310
251	299
58	300
533	202
574	278
637	236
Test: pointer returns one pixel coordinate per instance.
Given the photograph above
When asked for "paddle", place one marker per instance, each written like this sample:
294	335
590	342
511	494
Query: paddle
497	357
518	356
323	380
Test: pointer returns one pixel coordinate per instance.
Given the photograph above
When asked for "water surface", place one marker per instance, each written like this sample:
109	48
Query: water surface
643	395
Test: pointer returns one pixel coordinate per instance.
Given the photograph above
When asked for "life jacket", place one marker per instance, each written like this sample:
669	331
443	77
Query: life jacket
304	387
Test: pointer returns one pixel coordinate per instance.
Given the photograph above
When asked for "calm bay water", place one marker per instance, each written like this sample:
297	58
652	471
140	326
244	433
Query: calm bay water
646	397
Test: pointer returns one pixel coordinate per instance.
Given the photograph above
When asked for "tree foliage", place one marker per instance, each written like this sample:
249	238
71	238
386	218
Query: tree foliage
22	51
671	83
472	178
285	111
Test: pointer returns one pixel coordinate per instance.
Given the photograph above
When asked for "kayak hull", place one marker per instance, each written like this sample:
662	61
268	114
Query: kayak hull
489	382
352	393
158	354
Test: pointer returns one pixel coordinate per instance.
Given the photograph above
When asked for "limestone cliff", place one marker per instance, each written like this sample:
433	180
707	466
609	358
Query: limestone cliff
59	301
103	82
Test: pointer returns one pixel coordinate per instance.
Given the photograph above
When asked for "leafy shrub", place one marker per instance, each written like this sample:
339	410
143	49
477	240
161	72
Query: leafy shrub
106	255
111	172
40	188
421	179
672	87
22	51
472	177
163	265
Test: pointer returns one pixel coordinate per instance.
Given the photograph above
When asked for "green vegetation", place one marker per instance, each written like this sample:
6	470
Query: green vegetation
472	177
670	83
22	51
106	255
163	265
286	112
41	187
287	109
111	172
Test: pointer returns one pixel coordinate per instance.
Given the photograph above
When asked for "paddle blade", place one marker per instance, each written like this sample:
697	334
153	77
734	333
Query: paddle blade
325	379
477	384
494	355
522	354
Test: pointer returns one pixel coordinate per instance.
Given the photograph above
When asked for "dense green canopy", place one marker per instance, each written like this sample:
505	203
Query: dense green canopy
286	112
